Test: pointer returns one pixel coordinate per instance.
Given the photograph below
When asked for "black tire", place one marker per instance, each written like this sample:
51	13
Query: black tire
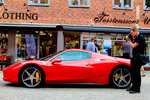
120	77
31	76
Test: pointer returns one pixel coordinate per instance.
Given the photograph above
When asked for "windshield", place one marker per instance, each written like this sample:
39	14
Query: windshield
50	56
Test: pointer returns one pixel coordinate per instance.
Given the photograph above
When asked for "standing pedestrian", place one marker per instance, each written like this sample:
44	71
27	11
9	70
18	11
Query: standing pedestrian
97	47
137	42
126	50
90	45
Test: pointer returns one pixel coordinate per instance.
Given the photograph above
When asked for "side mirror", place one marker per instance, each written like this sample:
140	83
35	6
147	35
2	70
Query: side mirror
55	61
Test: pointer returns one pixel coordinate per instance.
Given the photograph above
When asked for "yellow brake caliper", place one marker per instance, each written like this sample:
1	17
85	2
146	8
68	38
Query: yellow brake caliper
116	79
37	76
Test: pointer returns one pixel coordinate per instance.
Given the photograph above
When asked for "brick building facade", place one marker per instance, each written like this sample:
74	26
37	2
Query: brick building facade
53	25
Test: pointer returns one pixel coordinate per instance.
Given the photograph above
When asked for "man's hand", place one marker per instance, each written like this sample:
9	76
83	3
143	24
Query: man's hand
127	38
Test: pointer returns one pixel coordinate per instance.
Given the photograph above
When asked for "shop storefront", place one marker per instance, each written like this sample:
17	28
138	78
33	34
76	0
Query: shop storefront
22	44
113	36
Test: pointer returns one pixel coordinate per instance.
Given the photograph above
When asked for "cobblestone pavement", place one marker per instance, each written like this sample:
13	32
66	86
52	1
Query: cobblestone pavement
11	91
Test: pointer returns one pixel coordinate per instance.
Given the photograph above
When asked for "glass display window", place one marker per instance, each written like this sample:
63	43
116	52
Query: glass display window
86	37
26	45
71	40
147	39
116	48
118	40
48	43
3	43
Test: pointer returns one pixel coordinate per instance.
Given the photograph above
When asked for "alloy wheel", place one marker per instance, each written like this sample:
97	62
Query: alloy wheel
121	77
31	77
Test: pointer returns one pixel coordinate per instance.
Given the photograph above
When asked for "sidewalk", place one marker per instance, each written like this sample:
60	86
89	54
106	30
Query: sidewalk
1	75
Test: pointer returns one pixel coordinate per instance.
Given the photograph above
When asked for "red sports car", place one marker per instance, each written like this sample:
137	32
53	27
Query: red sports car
71	66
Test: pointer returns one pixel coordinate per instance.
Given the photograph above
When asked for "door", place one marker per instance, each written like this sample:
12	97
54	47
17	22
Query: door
73	68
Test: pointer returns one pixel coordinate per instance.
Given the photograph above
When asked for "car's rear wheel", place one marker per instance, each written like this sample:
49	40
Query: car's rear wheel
120	77
31	76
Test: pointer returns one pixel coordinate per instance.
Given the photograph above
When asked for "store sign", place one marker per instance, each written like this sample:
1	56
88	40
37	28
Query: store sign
102	18
23	16
147	20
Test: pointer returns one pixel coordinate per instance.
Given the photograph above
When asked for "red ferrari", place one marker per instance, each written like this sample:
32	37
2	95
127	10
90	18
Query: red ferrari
71	66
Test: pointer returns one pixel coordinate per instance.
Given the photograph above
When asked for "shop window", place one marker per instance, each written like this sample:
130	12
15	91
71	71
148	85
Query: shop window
26	45
123	4
86	37
72	40
79	3
147	4
39	2
118	40
3	43
48	43
147	39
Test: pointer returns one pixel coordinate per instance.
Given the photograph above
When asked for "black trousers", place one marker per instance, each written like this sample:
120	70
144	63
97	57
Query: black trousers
135	75
126	55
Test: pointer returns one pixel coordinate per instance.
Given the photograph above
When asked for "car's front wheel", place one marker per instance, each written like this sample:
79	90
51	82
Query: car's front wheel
31	76
120	77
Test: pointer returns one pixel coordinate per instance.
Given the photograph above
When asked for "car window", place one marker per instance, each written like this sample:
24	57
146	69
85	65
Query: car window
50	56
74	56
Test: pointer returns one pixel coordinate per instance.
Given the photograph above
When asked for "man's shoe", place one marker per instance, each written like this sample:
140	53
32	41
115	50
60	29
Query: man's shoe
128	89
143	75
134	92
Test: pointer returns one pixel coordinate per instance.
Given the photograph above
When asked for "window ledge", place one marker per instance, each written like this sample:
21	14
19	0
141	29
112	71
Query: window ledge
78	6
39	5
123	8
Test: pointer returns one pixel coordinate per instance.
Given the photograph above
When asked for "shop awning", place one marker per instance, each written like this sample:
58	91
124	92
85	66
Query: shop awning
28	25
99	29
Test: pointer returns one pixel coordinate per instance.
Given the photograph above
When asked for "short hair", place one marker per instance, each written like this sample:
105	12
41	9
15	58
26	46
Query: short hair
92	39
134	29
95	40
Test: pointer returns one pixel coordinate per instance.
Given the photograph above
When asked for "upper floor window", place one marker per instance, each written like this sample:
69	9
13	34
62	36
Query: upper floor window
1	2
39	2
79	3
147	4
123	4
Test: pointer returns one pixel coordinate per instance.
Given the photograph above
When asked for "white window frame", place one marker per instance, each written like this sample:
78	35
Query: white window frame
88	5
38	4
145	6
122	5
